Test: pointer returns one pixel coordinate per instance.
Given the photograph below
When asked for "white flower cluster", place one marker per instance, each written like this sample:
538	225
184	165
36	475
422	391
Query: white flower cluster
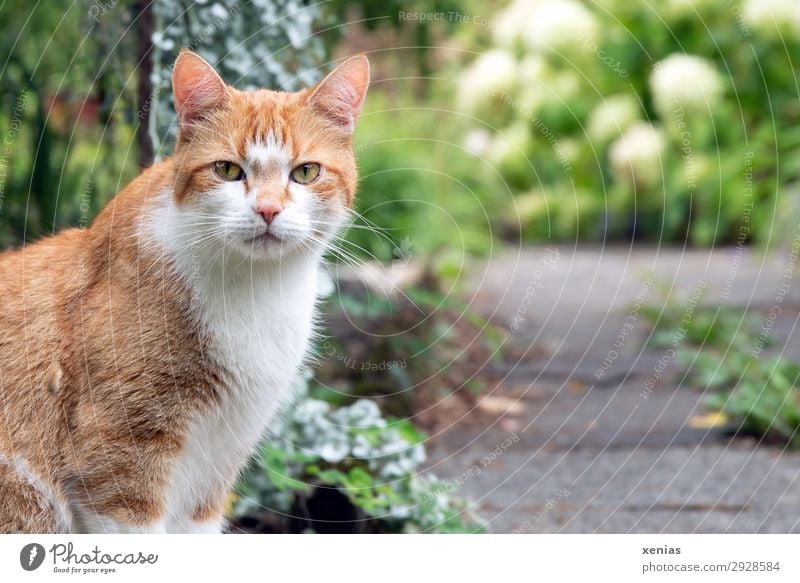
477	142
611	117
685	81
511	22
636	157
511	148
315	428
490	78
560	25
542	93
777	19
533	30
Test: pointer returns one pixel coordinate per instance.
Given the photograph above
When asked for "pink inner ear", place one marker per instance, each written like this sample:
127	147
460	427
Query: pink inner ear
341	94
196	87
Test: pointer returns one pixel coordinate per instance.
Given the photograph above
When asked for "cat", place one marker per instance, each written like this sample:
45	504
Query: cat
142	358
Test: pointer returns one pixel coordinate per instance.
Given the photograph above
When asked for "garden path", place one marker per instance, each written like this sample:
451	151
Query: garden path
589	429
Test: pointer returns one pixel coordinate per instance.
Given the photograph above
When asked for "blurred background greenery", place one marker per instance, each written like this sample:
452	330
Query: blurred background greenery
487	123
553	120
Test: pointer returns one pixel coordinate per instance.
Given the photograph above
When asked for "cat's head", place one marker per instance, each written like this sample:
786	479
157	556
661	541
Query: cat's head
265	173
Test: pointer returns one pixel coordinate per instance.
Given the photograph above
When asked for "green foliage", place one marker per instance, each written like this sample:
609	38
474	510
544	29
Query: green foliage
701	326
67	132
765	400
419	192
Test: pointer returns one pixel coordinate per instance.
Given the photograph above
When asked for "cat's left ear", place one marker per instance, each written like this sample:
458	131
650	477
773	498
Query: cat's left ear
341	94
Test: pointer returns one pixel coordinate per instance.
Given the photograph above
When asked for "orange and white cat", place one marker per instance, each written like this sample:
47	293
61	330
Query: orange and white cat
142	359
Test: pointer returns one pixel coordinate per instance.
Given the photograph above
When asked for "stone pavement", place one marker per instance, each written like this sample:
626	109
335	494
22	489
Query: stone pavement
574	440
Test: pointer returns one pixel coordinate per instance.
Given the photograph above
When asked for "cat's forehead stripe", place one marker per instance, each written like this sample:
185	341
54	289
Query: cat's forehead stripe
268	154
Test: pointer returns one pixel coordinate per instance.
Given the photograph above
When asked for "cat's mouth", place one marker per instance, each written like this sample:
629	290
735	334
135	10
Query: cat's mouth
265	238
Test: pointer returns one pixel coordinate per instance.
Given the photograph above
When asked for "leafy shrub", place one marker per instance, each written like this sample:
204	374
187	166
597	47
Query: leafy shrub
765	399
699	326
368	461
760	396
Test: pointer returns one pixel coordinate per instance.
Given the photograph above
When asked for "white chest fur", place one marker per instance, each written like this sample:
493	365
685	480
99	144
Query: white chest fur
256	304
259	325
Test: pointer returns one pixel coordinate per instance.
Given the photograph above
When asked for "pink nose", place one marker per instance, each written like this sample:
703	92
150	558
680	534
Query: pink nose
268	210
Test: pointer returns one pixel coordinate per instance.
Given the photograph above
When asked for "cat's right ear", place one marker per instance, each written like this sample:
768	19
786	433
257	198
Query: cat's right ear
197	89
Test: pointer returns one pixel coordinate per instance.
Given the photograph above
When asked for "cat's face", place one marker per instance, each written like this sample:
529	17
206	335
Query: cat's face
265	174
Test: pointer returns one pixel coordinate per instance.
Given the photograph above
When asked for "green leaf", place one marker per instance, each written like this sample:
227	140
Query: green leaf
360	478
408	431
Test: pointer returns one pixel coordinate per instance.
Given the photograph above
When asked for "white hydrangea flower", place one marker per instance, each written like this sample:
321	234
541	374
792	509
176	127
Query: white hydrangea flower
685	81
535	75
511	22
492	74
561	26
636	157
477	142
611	117
773	18
568	149
530	101
696	170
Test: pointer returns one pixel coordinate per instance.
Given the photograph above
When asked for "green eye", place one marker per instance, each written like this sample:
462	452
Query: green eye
306	173
228	171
